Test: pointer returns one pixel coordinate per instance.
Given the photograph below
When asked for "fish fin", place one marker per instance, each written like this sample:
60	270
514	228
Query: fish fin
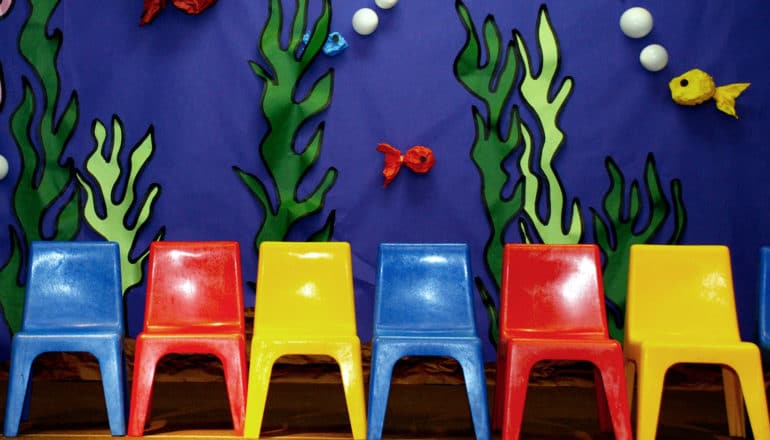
725	97
393	160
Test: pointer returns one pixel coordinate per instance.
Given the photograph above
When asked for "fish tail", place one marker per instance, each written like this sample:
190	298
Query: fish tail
393	161
725	97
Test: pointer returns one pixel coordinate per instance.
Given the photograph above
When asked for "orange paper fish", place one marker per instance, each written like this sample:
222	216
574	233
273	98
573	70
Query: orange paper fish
418	159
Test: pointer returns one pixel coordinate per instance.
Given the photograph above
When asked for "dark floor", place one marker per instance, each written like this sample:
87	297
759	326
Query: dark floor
199	410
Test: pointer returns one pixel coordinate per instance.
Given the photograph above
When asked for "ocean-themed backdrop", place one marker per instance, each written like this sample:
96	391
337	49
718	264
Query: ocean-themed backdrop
249	122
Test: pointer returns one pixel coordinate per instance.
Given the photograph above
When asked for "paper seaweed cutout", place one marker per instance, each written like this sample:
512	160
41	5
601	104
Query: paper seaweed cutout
418	159
153	7
696	86
335	43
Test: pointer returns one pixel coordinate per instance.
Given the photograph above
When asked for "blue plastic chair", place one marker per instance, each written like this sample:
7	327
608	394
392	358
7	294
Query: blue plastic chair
73	303
424	307
764	302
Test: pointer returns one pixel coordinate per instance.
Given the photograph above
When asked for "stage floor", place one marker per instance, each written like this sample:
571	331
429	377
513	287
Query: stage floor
66	410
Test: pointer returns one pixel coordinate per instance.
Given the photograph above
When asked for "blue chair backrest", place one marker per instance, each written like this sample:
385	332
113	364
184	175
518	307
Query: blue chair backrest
73	286
764	302
424	289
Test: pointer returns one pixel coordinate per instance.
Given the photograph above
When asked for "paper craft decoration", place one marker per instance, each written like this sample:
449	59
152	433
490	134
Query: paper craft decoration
696	86
418	159
153	8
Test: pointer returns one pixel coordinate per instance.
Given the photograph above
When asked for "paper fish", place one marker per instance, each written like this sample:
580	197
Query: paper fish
418	159
696	86
153	7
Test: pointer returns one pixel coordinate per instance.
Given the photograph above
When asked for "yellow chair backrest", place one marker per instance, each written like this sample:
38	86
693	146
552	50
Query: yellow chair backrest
680	293
304	289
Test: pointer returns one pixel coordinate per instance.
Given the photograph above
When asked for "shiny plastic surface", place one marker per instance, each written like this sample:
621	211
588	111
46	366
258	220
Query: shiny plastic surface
73	302
194	304
305	305
763	297
424	307
552	308
680	308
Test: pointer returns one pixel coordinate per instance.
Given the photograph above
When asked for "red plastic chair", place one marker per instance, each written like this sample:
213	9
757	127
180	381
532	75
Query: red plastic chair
194	304
552	308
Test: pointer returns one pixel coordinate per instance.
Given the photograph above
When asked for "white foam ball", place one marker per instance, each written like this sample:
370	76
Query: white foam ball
386	4
636	22
654	57
3	167
365	21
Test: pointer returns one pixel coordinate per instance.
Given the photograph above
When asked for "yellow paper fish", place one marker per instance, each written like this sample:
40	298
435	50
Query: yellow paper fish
696	86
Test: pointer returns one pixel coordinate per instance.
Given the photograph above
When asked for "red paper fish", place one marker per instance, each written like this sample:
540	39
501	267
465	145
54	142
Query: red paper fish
153	7
418	159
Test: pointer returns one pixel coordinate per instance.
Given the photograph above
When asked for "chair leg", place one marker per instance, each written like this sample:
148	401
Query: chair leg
349	360
753	386
615	398
517	381
145	361
648	397
18	387
113	383
476	386
602	406
736	416
500	372
384	357
262	358
233	361
630	382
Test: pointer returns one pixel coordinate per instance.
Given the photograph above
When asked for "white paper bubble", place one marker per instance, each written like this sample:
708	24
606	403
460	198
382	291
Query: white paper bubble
654	57
636	22
365	21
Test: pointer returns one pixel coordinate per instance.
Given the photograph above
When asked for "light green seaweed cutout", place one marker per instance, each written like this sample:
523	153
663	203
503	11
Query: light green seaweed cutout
286	114
123	213
537	91
45	200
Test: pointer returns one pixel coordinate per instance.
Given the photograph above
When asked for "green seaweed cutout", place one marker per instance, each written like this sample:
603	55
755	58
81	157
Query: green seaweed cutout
546	103
624	227
497	133
123	215
286	114
45	193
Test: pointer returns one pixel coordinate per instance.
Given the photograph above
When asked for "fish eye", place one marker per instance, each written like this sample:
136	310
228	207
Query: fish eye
423	159
684	83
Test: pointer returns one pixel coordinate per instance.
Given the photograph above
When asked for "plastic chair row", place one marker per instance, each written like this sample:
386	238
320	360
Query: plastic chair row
680	309
304	305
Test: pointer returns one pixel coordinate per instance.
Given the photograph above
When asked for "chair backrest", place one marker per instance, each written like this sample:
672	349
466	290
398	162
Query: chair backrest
763	296
552	291
73	286
680	293
194	285
424	289
303	289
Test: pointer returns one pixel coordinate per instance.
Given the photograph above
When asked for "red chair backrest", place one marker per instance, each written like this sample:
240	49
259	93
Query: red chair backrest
194	284
552	290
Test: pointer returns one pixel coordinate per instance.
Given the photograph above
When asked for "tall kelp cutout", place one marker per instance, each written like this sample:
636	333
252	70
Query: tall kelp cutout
113	210
45	200
535	198
286	114
501	132
626	226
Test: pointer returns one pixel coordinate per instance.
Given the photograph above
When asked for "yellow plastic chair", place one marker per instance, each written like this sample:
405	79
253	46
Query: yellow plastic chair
680	308
305	305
